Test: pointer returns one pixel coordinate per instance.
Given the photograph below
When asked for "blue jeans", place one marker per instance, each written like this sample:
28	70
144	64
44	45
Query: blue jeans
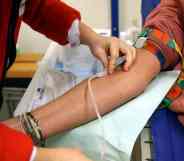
147	7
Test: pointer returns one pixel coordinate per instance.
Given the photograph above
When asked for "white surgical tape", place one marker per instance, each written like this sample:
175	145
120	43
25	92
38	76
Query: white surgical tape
74	34
22	7
96	108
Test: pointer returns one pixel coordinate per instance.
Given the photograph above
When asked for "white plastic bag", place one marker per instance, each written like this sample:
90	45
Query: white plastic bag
60	70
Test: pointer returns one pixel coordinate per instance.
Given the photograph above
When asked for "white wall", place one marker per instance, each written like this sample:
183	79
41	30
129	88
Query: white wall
130	13
96	13
31	41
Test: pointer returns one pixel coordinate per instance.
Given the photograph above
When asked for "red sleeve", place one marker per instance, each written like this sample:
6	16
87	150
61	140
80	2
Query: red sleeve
52	18
168	17
14	146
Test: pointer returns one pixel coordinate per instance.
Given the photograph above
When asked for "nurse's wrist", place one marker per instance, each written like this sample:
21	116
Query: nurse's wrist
87	35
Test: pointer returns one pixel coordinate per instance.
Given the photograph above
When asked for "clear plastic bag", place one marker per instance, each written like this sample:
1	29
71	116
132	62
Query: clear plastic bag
60	70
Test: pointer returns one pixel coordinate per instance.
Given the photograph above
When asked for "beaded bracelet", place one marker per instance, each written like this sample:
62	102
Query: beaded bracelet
31	127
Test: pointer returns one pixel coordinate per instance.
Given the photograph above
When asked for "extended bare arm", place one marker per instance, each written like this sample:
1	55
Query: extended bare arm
75	108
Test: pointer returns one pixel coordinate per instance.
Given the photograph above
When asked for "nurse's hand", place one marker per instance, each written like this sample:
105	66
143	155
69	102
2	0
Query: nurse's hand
107	49
59	154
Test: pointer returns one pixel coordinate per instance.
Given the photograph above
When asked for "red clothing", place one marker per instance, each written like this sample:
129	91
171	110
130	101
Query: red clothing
50	17
14	146
168	17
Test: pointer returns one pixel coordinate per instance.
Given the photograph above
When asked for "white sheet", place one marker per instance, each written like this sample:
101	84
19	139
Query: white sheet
122	126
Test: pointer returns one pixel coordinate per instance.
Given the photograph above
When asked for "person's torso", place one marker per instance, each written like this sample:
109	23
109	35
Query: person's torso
5	14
